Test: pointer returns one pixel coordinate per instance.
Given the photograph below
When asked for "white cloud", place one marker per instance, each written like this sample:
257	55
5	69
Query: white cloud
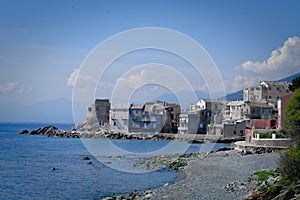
14	87
73	77
133	80
282	62
6	87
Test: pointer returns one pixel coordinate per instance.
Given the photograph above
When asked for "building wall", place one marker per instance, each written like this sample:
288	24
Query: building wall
281	107
102	108
119	118
264	123
234	130
270	142
252	94
193	123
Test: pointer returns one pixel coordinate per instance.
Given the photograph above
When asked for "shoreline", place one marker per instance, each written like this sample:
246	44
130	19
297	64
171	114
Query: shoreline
101	133
217	175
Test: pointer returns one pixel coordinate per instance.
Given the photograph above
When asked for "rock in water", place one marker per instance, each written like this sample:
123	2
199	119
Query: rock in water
24	132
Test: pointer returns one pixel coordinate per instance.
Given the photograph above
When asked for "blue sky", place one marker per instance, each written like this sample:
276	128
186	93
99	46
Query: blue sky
43	42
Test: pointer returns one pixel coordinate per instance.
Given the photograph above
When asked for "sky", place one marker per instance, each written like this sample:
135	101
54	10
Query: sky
43	44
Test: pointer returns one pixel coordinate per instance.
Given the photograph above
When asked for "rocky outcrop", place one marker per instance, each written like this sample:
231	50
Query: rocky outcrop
52	131
90	129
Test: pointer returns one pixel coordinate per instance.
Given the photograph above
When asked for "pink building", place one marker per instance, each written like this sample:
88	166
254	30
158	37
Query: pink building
264	123
281	107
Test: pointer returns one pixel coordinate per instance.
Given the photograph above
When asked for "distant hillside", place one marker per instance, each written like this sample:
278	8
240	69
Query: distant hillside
290	78
239	94
235	96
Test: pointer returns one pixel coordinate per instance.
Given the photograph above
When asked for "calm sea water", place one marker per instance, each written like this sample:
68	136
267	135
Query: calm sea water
26	163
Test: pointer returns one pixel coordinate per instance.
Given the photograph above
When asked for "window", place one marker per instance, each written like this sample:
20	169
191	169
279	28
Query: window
270	88
270	97
234	132
278	89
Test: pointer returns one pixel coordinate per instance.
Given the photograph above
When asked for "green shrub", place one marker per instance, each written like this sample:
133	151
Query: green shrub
280	134
263	135
290	164
263	175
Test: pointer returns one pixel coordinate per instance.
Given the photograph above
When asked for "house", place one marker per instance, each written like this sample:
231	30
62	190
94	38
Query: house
100	110
270	123
119	116
136	117
236	129
281	107
200	115
189	123
234	110
267	91
150	117
237	110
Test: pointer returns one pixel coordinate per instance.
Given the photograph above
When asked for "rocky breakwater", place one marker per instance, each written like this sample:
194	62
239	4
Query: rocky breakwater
51	131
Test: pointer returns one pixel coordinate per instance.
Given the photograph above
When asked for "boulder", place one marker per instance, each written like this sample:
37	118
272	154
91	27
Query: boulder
24	132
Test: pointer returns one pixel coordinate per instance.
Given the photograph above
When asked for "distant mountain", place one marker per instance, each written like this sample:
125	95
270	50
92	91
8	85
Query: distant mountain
235	96
290	78
57	110
239	94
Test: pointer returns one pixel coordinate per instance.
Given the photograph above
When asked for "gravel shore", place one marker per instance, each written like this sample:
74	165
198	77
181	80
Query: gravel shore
220	175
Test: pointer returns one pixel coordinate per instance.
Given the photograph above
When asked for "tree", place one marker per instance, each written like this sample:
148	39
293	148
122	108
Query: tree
292	116
290	160
295	84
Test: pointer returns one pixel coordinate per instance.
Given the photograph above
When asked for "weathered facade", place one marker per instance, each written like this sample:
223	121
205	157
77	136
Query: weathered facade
149	117
100	110
200	115
236	129
267	91
237	110
119	117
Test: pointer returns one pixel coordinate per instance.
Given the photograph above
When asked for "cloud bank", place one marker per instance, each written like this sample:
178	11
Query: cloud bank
282	62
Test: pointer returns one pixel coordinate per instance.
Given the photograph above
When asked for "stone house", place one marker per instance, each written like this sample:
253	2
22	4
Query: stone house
150	117
267	91
200	115
100	110
237	110
119	117
236	129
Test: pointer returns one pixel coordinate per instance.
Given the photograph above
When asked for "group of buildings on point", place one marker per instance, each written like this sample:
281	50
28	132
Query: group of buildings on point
262	107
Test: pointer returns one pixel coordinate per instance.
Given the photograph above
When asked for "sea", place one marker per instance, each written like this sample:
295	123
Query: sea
41	167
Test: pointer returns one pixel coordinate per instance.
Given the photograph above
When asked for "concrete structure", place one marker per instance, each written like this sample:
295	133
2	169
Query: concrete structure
189	123
267	91
150	117
100	110
281	107
234	111
119	117
237	110
236	129
200	116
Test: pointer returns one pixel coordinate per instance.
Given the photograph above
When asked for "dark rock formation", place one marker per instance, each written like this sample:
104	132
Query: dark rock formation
51	131
24	132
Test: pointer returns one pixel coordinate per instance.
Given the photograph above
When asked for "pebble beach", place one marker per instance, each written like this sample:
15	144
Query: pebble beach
219	175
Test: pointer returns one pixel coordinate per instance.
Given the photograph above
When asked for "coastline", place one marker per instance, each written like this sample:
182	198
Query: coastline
213	175
97	132
218	175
